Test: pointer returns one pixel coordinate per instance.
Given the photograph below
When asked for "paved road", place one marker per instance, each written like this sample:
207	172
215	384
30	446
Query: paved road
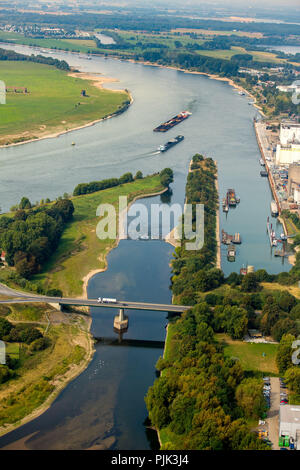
273	413
23	297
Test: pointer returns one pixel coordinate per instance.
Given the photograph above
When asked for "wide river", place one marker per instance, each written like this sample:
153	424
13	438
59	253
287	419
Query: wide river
104	406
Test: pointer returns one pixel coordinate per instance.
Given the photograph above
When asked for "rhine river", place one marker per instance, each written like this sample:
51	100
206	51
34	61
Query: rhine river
104	406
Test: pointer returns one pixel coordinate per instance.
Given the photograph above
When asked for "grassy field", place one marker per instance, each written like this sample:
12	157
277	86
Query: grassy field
51	104
251	355
270	287
13	350
211	33
79	250
291	227
73	45
229	53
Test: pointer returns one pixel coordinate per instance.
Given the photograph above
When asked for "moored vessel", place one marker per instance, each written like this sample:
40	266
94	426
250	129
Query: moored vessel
231	253
274	209
232	200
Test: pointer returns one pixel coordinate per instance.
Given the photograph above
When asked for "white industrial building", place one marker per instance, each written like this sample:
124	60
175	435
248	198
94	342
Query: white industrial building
289	423
293	187
288	151
289	132
289	89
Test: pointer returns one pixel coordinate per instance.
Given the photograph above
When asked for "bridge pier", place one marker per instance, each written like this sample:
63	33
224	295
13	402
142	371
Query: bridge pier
57	306
121	321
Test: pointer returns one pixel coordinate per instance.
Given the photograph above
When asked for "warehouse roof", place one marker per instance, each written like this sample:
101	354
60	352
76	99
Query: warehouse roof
290	414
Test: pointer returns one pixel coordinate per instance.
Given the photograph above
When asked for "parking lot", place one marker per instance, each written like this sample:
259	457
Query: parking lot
273	413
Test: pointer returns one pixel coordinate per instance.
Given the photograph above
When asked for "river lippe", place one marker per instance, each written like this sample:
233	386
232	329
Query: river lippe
105	406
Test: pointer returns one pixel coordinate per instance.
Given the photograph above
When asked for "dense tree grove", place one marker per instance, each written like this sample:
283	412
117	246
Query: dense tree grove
19	333
31	236
201	397
189	60
288	356
193	270
166	177
12	55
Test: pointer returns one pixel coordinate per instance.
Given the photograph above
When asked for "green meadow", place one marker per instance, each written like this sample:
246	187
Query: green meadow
53	102
254	357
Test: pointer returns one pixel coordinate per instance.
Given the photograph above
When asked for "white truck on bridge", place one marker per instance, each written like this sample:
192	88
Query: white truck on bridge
107	301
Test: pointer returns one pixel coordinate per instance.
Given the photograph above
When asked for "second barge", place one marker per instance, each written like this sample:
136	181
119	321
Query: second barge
171	143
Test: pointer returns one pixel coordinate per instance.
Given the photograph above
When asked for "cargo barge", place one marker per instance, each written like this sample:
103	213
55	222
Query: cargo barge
171	143
173	122
231	200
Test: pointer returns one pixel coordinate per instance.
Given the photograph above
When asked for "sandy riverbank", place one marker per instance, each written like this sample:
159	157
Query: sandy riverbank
98	81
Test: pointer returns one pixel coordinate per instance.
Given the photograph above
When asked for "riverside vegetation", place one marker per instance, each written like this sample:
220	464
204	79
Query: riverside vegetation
206	397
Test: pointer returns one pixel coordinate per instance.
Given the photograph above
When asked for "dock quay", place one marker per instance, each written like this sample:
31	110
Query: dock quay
271	234
266	156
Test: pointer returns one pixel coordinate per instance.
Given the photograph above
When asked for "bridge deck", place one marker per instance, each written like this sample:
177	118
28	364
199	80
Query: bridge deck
94	303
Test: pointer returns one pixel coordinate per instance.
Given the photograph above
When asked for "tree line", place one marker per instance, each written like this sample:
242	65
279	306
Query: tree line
15	56
166	177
